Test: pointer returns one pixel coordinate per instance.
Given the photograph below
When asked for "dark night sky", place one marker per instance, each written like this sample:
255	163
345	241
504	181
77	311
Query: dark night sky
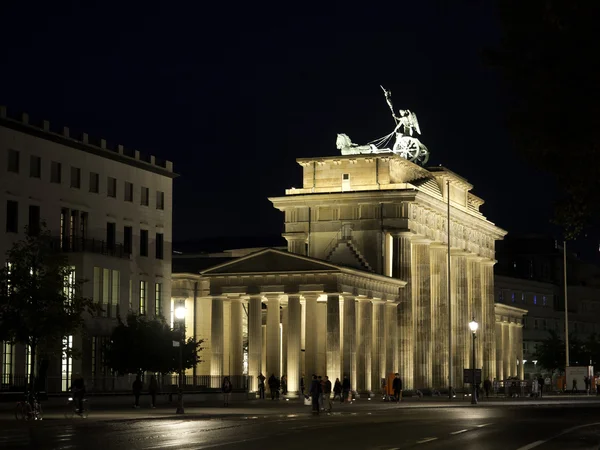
233	96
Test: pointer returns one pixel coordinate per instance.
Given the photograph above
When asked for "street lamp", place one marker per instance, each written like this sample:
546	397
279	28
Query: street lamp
473	326
180	316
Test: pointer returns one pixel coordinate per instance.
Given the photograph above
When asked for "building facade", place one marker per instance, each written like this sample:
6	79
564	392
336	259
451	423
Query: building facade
110	210
367	254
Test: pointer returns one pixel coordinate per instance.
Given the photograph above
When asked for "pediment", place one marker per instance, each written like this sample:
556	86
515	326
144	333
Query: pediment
273	261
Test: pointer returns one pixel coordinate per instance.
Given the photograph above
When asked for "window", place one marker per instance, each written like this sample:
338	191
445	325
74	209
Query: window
76	177
512	297
13	161
143	290
111	237
500	296
12	216
160	200
97	284
544	324
535	299
523	297
145	196
159	246
128	191
67	363
34	220
111	187
94	183
345	182
544	301
127	239
143	242
535	324
7	363
130	294
73	229
55	172
83	224
35	167
69	287
158	299
115	283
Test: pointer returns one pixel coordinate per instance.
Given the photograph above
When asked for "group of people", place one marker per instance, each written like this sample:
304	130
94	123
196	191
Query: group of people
320	391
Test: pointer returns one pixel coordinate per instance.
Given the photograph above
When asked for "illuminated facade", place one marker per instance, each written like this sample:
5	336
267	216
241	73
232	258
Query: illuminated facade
362	290
109	209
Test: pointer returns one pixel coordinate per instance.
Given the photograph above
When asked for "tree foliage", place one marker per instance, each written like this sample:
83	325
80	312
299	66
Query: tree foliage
40	298
142	344
550	57
550	354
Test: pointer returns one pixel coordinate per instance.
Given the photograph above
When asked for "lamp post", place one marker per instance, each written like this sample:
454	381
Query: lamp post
180	316
473	326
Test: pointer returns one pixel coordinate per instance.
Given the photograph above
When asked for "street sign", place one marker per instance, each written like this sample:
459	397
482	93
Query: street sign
468	376
175	343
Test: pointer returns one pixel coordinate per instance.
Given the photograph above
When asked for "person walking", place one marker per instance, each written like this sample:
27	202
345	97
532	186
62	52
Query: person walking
272	386
345	388
397	387
137	390
534	387
327	394
226	387
315	394
284	388
261	386
337	390
153	390
302	385
541	385
487	386
574	390
322	384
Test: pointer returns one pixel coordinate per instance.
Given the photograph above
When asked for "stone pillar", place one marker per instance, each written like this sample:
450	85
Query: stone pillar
216	340
421	274
378	354
499	356
489	324
293	343
322	337
254	340
236	338
364	335
273	336
476	306
506	349
401	268
310	351
349	336
439	309
284	337
519	349
460	318
391	337
332	350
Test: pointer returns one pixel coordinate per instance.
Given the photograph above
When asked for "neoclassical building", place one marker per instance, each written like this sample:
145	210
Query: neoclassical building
362	290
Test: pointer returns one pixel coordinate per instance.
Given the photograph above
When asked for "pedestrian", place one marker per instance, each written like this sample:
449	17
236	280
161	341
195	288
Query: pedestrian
541	385
153	390
337	390
226	387
487	386
534	387
261	386
322	384
574	390
137	390
284	390
397	387
327	394
273	386
345	388
302	384
315	394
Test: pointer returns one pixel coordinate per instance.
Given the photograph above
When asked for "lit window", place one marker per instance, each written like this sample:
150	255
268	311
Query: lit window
158	299
523	297
544	302
67	363
7	363
143	291
513	297
535	299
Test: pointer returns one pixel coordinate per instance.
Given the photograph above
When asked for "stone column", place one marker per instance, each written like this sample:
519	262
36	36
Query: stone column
363	358
284	337
216	339
236	338
293	343
401	268
421	274
378	345
460	317
391	338
506	350
476	306
273	336
489	324
322	337
439	309
499	356
332	348
519	349
310	351
349	336
254	340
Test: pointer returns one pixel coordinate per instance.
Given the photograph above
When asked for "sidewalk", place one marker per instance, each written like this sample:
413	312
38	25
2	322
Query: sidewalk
121	408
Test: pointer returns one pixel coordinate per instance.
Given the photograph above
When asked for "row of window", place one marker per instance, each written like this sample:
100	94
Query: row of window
106	293
35	171
559	325
12	217
522	297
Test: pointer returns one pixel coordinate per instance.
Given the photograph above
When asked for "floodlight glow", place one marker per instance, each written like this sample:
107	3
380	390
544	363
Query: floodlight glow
180	312
473	326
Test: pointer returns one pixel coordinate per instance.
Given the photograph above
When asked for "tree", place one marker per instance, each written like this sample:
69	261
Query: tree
144	344
550	58
40	297
550	353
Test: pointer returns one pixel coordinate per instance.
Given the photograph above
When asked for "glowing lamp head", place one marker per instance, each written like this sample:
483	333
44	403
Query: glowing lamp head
180	312
473	326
